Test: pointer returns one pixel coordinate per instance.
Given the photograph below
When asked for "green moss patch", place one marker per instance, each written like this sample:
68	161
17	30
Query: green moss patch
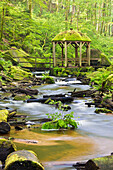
17	56
4	115
18	74
103	110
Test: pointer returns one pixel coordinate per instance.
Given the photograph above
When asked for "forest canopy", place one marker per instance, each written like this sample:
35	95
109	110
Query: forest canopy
31	25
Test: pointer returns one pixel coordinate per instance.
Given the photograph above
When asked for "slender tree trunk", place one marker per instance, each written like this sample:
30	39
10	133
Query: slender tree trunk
73	11
78	18
30	8
2	22
66	14
103	17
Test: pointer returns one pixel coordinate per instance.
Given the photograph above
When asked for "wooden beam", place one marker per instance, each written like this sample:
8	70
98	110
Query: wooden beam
80	57
76	54
65	54
54	58
62	55
88	54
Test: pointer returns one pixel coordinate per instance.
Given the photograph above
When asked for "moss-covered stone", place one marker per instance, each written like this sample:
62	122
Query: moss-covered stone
4	115
6	147
103	110
98	58
22	97
104	60
71	35
16	56
18	74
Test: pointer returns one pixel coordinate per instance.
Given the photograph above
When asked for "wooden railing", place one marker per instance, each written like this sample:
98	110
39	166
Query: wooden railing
35	63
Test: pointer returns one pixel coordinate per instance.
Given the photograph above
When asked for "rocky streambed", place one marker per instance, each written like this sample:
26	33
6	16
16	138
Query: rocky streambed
57	149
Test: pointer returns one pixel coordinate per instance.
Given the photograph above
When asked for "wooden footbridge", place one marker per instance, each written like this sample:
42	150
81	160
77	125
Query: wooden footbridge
65	39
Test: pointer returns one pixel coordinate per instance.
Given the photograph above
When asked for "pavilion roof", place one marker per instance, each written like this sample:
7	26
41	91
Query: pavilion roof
71	35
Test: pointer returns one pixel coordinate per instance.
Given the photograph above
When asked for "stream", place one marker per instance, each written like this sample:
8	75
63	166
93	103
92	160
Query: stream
58	150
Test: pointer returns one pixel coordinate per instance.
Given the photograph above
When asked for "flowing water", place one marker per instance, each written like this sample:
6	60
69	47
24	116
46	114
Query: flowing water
58	150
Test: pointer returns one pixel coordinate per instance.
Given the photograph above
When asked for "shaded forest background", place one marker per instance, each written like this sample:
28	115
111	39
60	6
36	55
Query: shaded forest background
30	25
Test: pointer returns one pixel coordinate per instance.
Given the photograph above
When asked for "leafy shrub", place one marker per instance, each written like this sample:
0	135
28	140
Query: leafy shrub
60	120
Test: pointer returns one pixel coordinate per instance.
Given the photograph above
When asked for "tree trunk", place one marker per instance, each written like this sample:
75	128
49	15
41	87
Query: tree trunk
2	23
23	160
30	8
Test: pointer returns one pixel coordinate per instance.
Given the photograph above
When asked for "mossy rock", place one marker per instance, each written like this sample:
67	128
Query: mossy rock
18	74
71	35
48	79
102	59
6	95
4	115
6	147
18	55
103	110
8	57
22	97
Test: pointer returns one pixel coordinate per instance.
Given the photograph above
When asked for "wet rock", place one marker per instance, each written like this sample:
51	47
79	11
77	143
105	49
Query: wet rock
6	147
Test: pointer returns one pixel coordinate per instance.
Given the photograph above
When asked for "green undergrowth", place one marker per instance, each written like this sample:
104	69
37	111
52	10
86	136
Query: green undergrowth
102	79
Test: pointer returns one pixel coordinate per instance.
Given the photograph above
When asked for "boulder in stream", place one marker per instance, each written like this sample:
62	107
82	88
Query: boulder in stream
6	147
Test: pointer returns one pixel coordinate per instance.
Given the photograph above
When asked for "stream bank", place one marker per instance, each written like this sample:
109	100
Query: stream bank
58	149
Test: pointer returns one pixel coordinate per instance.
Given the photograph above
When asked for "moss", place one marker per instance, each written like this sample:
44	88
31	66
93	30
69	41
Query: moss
104	60
109	82
4	115
7	144
18	74
22	156
21	97
103	110
48	79
18	55
71	35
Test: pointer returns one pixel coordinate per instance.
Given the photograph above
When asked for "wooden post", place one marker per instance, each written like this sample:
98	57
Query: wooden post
62	54
76	54
54	59
65	54
88	53
80	57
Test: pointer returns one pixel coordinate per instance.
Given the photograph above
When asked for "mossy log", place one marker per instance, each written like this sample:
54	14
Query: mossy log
23	160
46	100
101	163
25	91
84	93
54	95
6	147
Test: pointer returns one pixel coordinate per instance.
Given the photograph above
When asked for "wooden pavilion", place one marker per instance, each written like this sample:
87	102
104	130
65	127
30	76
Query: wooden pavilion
75	39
